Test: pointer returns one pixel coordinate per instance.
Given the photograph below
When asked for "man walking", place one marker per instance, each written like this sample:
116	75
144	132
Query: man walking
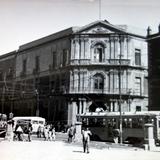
29	131
70	133
86	139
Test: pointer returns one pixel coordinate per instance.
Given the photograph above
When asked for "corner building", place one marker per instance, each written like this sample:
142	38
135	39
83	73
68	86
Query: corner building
154	70
80	69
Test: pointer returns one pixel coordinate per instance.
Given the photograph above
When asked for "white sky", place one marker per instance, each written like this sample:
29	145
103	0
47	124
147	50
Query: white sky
23	21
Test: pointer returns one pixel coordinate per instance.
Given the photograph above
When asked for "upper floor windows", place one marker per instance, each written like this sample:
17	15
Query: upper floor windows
54	59
98	52
98	81
37	66
65	57
137	56
138	85
24	66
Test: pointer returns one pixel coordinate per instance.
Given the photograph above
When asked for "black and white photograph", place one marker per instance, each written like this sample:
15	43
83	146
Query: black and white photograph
79	80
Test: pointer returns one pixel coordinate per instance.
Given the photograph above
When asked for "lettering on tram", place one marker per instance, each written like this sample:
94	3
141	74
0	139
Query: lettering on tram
105	125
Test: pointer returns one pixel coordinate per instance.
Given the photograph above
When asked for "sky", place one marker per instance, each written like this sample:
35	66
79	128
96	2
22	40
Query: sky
23	21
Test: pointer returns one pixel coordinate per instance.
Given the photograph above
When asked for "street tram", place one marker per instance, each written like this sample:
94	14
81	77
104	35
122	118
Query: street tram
103	125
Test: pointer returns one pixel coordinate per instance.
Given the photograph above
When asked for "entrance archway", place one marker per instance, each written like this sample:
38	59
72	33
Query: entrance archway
95	105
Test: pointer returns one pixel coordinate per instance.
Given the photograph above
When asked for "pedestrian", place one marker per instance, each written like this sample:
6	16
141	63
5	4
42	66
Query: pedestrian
29	131
74	133
86	133
50	132
53	134
70	133
39	132
46	133
19	132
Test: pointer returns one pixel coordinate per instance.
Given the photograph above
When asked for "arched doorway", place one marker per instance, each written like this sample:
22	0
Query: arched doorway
95	105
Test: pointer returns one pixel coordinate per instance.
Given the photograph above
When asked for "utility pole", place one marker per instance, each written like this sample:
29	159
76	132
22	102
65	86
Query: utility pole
120	95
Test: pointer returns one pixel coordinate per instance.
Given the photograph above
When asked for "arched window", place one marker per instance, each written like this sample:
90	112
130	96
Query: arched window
98	81
99	52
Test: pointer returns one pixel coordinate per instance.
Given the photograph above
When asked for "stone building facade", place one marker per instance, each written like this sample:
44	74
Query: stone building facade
154	69
7	75
80	69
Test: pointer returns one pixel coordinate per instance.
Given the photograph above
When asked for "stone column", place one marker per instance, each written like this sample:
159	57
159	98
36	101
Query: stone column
149	137
69	113
122	46
84	106
72	112
78	135
116	47
111	106
76	81
81	81
111	49
71	81
80	106
129	49
125	48
86	49
72	49
82	49
77	49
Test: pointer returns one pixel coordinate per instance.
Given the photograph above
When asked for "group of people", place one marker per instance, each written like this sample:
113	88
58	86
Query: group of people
48	132
71	133
20	130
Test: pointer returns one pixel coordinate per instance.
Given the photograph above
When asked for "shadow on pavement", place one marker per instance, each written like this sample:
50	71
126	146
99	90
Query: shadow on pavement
78	151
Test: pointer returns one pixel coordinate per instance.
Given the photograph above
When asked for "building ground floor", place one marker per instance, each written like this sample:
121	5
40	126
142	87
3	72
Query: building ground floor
64	108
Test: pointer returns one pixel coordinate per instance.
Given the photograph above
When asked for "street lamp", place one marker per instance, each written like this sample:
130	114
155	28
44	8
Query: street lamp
37	102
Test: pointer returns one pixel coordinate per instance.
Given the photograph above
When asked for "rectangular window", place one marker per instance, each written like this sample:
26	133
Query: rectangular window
24	67
137	57
145	85
37	63
64	59
138	108
96	84
138	85
54	59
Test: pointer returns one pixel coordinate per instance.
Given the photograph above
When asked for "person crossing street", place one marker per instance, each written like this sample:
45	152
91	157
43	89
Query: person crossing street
86	133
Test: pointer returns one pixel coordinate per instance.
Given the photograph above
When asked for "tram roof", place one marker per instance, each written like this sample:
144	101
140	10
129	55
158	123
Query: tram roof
100	114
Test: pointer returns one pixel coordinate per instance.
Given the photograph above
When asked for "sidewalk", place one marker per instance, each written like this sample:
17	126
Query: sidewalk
58	150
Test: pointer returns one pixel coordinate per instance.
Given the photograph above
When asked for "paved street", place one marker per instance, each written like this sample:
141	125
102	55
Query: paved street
59	150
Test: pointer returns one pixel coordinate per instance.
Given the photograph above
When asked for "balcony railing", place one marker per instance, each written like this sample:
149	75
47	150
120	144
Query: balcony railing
104	62
115	91
119	62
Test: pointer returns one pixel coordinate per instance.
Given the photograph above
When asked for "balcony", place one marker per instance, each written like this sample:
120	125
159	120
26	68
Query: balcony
119	62
80	62
124	91
110	62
